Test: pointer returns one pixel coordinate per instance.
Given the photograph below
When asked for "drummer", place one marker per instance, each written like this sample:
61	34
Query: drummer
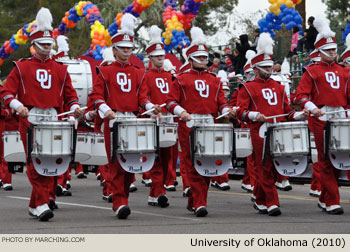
195	91
324	87
258	99
39	82
153	90
116	90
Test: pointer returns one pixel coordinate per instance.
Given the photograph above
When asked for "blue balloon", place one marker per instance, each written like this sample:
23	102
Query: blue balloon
272	33
262	23
270	26
282	7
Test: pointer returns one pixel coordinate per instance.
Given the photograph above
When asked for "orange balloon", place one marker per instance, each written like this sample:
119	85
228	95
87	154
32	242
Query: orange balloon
1	61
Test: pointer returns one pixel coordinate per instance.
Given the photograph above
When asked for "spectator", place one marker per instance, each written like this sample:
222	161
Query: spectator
294	42
310	35
256	38
301	41
230	59
215	66
242	48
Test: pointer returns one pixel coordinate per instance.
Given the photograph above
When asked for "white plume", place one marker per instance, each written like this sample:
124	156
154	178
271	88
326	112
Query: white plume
184	50
249	55
107	55
265	44
222	75
155	34
322	26
128	24
347	41
44	19
197	36
285	68
62	43
168	66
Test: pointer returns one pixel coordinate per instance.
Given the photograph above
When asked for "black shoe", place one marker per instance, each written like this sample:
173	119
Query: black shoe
66	193
275	212
201	212
7	187
103	183
132	188
98	176
287	188
109	198
176	183
0	183
189	208
261	211
59	190
170	188
147	182
81	175
53	205
186	193
123	212
336	211
162	201
68	185
45	216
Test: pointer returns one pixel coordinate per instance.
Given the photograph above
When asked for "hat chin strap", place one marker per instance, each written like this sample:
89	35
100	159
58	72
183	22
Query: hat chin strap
198	61
250	76
263	70
42	48
123	53
326	54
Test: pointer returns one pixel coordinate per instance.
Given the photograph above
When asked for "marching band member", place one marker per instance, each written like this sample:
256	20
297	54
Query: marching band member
153	91
116	90
257	100
324	87
195	91
39	82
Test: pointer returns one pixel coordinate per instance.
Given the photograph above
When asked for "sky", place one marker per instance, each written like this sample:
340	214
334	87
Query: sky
254	9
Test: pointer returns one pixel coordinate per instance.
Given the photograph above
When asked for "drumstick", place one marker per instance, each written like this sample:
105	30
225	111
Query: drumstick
32	114
224	114
276	116
70	112
152	109
333	112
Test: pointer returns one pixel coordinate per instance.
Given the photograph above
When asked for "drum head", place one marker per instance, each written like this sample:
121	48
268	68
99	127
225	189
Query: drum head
136	162
340	160
51	166
290	166
212	166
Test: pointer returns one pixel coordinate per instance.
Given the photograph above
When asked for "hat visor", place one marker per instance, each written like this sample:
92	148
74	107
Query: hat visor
124	44
157	53
226	88
200	53
316	59
328	46
44	41
265	63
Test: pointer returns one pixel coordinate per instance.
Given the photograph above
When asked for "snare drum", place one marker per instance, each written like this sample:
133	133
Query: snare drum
13	147
339	135
244	146
314	155
52	139
136	136
214	140
289	139
83	147
97	150
167	134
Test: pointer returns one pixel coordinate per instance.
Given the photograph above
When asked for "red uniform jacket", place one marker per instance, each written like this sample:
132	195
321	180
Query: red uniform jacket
324	84
197	92
117	85
39	83
154	88
267	97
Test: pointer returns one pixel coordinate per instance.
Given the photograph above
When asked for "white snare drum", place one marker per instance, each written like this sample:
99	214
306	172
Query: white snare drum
289	139
135	136
314	155
167	134
214	140
13	147
339	135
52	139
97	150
200	120
83	147
244	146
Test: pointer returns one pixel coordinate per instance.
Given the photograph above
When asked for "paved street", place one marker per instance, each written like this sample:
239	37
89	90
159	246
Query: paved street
229	212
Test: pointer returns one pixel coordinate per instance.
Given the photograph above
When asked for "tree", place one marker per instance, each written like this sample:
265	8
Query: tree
337	11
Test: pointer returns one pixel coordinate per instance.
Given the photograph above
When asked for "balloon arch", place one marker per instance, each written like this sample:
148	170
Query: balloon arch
175	22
